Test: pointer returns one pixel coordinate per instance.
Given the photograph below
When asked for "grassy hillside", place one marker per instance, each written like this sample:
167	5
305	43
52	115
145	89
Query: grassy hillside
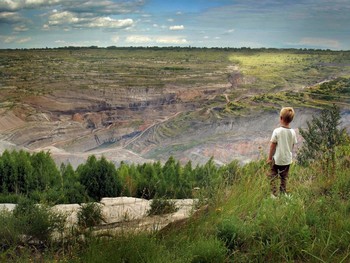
240	223
243	224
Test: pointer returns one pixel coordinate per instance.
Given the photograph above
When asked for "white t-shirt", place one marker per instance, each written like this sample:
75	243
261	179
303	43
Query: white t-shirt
285	139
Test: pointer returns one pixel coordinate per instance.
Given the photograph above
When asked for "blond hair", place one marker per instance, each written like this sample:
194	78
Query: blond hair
287	114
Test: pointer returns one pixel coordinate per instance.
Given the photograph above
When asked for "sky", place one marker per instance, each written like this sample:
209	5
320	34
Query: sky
316	24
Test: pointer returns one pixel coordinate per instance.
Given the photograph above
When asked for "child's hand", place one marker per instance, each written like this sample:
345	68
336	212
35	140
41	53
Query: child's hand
269	161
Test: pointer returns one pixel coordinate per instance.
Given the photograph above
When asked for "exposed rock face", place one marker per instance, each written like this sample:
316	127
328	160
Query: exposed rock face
155	128
124	209
71	213
74	124
7	207
132	109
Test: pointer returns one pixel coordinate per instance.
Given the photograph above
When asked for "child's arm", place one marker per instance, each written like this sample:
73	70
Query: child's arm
272	151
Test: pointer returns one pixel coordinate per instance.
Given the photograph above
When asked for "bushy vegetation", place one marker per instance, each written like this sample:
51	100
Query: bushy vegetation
161	206
90	215
243	224
37	177
322	136
29	224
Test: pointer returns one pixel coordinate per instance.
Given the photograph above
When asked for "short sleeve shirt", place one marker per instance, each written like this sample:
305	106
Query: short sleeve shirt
285	139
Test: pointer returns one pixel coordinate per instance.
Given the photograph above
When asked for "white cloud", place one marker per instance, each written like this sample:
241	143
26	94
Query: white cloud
170	40
107	22
10	17
42	2
23	40
12	39
14	5
142	39
74	20
104	7
170	20
138	39
20	28
179	27
60	41
7	39
9	5
61	18
77	6
320	42
45	27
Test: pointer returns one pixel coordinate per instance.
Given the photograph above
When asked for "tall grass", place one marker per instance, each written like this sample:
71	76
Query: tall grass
242	223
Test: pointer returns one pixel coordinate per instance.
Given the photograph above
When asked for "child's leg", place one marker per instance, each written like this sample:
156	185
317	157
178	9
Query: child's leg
283	172
272	177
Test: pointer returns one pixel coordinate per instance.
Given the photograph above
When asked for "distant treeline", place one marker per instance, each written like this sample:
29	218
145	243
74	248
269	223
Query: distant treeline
37	177
187	48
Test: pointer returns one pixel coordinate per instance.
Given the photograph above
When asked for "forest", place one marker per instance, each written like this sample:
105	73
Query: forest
37	177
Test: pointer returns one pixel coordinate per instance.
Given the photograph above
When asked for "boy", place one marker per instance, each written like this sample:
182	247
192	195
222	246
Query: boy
280	155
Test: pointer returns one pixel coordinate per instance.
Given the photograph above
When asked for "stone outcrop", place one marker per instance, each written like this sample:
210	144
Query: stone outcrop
123	212
7	207
124	208
70	211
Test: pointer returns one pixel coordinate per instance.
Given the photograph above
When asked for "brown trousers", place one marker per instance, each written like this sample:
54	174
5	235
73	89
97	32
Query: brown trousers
281	172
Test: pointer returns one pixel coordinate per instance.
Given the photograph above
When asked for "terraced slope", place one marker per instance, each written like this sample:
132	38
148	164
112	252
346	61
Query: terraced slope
137	105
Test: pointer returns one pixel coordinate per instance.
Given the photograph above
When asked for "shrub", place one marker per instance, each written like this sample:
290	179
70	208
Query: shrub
208	250
90	215
9	198
162	206
37	222
127	248
229	231
321	137
9	233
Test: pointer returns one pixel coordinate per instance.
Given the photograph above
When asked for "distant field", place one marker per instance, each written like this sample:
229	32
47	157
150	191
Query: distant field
282	69
87	68
42	71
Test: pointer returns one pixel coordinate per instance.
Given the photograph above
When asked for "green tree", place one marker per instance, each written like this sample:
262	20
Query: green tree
25	182
99	178
72	190
230	172
171	173
9	183
148	181
45	174
128	185
133	180
321	138
206	175
188	180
